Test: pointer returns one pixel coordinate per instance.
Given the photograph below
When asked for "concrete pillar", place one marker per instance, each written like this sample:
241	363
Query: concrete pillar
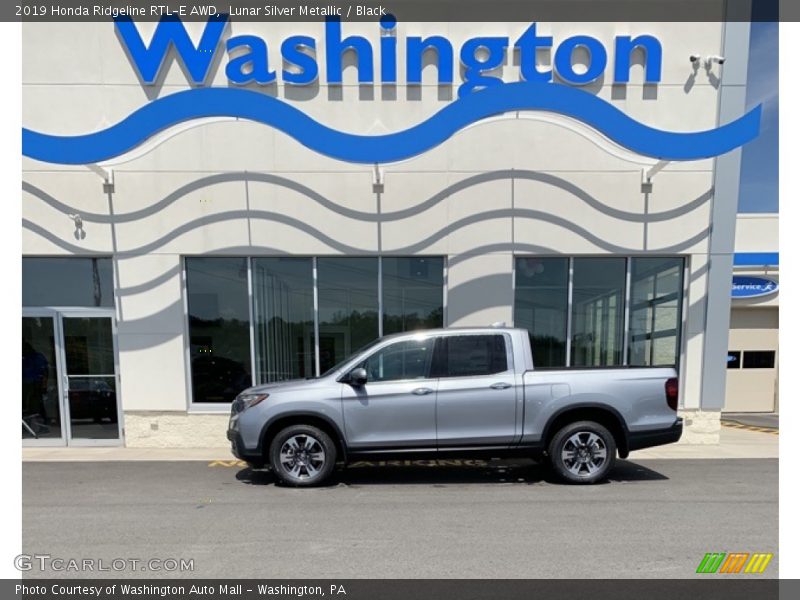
732	104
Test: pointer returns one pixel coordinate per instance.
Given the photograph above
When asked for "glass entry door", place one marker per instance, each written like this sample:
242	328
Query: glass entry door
41	390
70	379
90	377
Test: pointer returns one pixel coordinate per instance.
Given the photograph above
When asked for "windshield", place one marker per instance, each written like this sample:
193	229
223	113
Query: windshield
340	364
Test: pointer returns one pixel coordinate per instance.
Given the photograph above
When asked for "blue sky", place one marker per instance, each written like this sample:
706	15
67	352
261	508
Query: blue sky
759	182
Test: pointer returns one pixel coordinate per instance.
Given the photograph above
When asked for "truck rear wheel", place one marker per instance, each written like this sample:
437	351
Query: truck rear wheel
582	452
302	456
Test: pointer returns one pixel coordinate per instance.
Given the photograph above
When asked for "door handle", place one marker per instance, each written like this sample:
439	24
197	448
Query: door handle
502	385
422	391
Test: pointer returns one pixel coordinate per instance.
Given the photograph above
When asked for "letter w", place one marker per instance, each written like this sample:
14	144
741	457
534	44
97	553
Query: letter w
170	31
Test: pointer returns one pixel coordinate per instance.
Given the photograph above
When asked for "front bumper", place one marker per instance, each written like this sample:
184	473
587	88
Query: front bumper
254	457
655	437
238	447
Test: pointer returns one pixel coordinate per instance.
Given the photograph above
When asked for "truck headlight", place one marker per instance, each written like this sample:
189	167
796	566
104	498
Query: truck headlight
250	400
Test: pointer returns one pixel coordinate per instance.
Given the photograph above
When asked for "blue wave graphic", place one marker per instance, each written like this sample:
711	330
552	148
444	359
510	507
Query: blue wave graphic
246	104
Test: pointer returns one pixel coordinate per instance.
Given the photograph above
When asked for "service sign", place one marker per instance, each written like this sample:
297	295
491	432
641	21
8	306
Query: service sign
752	287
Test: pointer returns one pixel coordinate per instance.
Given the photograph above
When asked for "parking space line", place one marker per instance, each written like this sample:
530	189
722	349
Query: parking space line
737	425
227	463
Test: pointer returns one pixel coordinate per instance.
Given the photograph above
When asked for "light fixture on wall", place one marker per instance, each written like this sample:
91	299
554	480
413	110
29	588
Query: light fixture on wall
106	174
79	232
377	179
706	61
648	174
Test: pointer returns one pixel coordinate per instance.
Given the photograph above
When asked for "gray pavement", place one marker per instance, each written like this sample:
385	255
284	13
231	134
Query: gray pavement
655	518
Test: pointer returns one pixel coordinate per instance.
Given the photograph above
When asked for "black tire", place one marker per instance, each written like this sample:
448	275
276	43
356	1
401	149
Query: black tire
593	448
299	469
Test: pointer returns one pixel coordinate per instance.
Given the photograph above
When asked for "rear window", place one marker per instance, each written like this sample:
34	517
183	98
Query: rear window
471	355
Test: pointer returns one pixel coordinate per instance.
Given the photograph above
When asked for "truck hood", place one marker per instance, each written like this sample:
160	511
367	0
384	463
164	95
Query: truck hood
282	386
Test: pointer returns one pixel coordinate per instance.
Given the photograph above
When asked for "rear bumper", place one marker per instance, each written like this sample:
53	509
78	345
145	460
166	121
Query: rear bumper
655	437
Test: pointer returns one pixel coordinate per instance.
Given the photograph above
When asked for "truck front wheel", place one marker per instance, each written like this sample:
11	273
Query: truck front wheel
302	456
582	452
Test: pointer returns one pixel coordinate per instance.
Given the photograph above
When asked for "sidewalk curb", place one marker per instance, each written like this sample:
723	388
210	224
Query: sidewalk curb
736	442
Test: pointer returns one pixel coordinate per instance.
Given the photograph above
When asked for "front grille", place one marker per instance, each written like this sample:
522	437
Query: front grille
237	406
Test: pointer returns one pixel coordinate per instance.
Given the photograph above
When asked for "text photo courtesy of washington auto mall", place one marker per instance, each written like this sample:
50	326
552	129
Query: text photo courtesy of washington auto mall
409	300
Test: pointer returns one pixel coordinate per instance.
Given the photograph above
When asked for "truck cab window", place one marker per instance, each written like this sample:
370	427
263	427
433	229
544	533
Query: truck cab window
472	355
410	359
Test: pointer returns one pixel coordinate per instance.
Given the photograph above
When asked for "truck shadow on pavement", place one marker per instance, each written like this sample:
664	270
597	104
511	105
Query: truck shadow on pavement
444	472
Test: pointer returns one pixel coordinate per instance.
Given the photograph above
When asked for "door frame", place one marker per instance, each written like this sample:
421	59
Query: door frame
53	315
58	315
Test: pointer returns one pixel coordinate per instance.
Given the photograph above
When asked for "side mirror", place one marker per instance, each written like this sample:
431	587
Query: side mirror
357	377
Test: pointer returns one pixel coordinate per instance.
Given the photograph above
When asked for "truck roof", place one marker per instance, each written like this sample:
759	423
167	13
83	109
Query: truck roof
486	329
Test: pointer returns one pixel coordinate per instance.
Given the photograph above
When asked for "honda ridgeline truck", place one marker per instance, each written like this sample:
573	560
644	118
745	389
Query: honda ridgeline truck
446	392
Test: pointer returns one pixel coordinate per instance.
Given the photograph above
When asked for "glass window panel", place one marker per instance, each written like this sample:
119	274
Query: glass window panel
88	345
348	306
283	297
41	412
540	306
68	281
410	359
758	359
93	407
734	359
655	315
413	293
219	327
474	355
597	311
663	352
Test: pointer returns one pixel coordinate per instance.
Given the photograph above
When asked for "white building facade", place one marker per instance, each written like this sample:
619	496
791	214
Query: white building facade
752	376
169	265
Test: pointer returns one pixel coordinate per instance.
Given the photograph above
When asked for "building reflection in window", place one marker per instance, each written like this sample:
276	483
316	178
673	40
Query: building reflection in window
219	327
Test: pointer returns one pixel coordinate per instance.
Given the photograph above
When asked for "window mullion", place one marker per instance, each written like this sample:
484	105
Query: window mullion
316	316
569	311
626	323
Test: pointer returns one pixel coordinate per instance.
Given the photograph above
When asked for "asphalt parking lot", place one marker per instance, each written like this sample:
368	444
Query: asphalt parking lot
473	519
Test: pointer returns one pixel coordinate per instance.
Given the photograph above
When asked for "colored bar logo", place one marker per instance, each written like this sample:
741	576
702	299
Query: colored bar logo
735	562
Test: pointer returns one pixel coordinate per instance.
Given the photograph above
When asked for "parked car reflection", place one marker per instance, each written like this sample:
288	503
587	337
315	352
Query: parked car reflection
218	379
92	398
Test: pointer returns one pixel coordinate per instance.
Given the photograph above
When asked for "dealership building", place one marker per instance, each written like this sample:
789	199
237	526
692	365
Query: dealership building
209	206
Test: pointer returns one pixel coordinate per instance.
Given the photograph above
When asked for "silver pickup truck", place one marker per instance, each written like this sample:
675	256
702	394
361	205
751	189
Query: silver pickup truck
454	391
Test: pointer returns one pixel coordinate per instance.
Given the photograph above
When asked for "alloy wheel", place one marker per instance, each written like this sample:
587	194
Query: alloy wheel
302	456
584	453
